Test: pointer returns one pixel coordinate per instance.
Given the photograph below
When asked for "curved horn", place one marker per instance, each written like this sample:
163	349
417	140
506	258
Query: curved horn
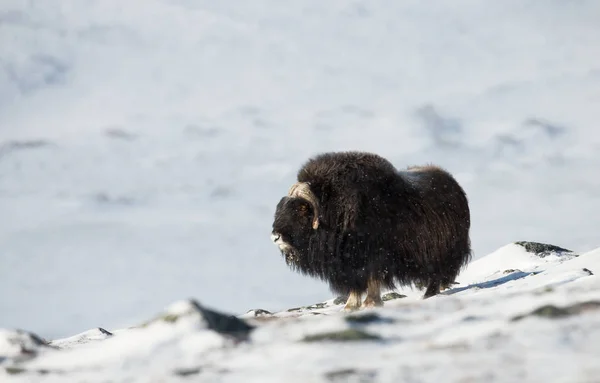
302	190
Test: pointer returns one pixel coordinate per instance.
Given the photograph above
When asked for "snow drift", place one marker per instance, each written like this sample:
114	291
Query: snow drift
527	312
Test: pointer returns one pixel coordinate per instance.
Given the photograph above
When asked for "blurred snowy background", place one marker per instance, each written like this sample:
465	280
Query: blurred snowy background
144	145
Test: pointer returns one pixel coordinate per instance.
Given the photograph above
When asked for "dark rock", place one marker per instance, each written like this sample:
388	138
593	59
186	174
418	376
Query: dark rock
320	305
542	249
183	372
581	307
24	345
391	296
105	332
93	335
552	311
548	311
226	325
19	370
229	326
14	370
260	312
351	375
588	271
340	300
367	318
348	335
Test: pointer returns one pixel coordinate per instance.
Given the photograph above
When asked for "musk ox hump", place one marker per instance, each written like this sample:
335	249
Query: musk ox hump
346	183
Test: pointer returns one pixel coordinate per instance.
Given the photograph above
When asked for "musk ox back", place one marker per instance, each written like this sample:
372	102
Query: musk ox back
358	223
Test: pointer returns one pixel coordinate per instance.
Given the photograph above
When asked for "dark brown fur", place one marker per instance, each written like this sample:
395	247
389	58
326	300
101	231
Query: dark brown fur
396	227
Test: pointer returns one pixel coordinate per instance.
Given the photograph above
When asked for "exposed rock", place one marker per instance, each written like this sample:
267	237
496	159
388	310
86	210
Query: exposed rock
84	337
542	249
258	313
320	305
552	311
19	345
351	375
340	300
227	325
13	370
342	336
367	318
187	371
392	296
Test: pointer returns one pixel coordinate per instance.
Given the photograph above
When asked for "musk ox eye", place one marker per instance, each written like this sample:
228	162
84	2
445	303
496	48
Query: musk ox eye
303	209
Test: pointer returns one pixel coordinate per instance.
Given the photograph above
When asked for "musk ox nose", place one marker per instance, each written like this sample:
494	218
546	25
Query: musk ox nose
275	237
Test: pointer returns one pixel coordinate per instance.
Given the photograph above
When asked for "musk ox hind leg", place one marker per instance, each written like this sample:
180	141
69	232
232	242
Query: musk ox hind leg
432	289
354	301
373	298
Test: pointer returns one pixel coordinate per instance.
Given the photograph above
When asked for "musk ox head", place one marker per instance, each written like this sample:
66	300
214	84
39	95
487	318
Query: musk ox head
296	217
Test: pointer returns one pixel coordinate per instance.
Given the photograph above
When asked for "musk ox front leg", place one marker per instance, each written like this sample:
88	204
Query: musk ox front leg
354	301
373	298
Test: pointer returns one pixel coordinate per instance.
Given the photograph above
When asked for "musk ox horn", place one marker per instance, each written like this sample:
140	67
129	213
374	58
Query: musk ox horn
302	190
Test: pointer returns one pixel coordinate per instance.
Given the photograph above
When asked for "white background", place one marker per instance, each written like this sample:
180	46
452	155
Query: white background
144	145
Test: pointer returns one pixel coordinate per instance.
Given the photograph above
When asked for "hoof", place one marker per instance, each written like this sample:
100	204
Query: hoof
350	308
373	303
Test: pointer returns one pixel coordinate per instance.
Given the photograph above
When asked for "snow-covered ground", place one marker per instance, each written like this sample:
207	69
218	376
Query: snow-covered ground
516	315
144	145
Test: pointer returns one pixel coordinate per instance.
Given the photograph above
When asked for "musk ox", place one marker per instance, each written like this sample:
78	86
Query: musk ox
356	222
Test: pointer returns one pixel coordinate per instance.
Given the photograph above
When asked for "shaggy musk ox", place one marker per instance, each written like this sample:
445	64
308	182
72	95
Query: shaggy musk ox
358	223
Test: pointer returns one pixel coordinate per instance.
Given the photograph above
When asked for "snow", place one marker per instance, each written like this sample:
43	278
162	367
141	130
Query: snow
478	330
143	148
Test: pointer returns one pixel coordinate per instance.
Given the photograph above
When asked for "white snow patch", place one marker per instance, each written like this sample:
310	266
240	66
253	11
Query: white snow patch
481	331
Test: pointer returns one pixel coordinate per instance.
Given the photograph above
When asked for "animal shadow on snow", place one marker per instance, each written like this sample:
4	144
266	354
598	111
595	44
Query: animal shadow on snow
512	275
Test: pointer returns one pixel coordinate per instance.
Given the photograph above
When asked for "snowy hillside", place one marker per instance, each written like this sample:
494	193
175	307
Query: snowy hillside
527	312
144	145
